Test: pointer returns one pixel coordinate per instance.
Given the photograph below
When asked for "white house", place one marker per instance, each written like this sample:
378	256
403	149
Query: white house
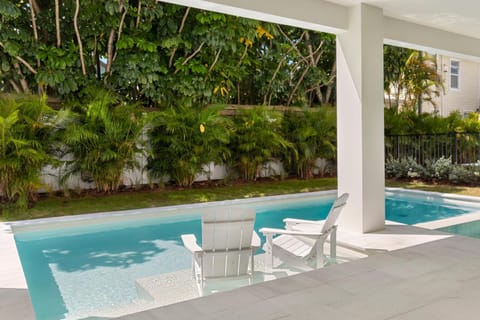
461	79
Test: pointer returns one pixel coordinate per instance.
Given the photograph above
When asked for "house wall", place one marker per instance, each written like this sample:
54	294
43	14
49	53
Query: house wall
464	99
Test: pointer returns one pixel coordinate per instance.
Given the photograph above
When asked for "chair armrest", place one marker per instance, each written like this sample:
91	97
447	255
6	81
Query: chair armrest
190	242
297	221
256	242
274	231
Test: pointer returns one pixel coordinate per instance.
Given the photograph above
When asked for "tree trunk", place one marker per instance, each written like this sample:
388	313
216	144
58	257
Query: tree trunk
139	13
57	23
34	22
180	29
77	32
331	83
23	82
108	68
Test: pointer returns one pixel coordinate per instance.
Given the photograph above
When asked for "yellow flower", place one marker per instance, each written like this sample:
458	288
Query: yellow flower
202	128
223	91
262	32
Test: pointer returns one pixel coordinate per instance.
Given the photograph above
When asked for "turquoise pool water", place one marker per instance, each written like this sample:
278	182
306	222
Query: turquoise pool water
468	229
76	272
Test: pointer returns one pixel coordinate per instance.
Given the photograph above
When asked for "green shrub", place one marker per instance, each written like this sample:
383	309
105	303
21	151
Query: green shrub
184	139
313	135
103	139
26	123
442	168
462	175
257	139
403	168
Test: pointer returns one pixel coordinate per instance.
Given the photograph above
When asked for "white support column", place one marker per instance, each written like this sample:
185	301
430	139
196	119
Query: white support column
360	135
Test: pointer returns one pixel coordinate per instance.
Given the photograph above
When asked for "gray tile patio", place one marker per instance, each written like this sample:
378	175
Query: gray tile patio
439	279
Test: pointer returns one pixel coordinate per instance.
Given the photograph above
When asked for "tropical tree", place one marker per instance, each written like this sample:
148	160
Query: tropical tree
186	139
151	52
25	140
394	60
312	132
257	140
410	78
423	81
103	139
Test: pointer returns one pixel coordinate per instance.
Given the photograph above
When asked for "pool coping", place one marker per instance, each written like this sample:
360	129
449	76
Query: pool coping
155	212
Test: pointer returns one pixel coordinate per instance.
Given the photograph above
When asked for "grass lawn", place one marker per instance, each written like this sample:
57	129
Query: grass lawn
60	206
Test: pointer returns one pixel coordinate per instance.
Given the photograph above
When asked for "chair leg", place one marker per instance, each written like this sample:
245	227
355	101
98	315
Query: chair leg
333	243
269	253
320	256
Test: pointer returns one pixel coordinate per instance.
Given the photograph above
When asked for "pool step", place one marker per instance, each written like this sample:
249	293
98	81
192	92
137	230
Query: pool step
167	288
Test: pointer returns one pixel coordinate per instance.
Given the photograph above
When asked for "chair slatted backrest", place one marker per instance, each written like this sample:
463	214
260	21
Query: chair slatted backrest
332	217
226	241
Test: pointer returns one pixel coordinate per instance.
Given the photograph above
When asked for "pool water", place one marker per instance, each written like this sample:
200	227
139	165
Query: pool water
468	229
414	210
76	272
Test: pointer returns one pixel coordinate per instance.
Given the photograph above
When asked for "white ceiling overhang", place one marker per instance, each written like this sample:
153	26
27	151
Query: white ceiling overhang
447	27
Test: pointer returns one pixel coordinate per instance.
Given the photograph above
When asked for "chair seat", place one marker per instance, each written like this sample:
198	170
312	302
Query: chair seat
293	245
304	239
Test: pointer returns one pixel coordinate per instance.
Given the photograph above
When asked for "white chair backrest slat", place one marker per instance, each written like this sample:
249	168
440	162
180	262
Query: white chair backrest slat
226	241
335	212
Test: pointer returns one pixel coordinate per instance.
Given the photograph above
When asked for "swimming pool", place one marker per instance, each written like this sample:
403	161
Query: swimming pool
83	266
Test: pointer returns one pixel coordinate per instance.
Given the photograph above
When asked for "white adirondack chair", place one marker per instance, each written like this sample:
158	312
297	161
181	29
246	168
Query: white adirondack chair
304	239
228	245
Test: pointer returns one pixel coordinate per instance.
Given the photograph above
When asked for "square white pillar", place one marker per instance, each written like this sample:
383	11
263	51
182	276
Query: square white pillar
360	132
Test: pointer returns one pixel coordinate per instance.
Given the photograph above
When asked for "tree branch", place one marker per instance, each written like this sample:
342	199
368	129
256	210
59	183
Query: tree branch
290	97
23	82
215	60
180	29
190	57
14	86
243	56
293	44
139	13
34	22
120	26
77	32
25	63
279	65
111	39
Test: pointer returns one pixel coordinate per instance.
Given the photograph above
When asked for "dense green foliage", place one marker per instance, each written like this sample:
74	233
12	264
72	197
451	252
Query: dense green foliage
152	53
103	140
185	139
256	141
26	125
314	136
410	79
410	122
440	170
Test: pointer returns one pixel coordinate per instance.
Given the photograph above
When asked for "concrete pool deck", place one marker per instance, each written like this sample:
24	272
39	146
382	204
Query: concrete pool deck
411	273
14	297
437	279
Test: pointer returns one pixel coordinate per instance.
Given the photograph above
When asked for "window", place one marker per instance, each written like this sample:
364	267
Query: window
454	74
